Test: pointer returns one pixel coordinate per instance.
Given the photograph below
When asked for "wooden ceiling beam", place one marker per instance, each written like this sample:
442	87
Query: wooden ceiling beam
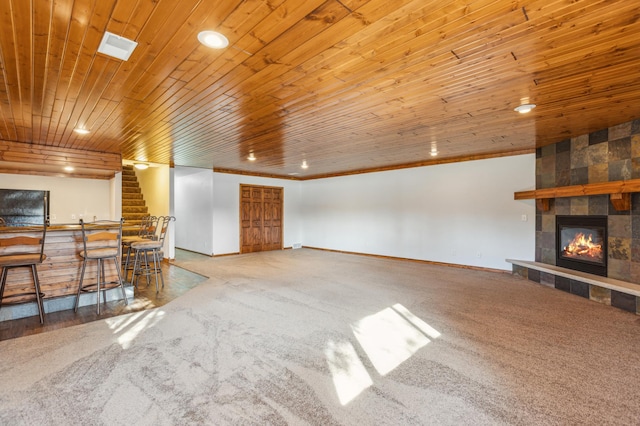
56	156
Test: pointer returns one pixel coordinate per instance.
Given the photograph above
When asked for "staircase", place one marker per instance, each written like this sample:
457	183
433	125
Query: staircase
133	204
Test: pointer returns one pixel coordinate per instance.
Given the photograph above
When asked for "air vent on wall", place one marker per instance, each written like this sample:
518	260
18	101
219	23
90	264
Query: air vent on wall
116	46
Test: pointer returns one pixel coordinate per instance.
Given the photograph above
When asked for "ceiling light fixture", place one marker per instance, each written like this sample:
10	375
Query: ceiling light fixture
81	131
251	157
434	148
68	169
304	164
117	47
213	39
141	166
524	108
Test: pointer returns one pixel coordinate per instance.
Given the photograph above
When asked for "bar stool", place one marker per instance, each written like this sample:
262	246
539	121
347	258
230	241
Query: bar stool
147	231
101	241
24	251
143	249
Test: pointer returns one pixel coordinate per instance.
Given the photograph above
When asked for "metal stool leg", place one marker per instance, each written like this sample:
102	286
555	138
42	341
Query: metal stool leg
36	284
98	284
147	268
134	272
3	280
121	281
125	272
84	265
158	268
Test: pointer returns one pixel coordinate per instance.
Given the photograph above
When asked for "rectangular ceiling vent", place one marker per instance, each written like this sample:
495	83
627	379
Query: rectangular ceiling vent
116	46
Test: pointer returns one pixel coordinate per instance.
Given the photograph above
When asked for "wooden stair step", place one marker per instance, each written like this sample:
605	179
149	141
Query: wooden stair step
133	216
135	209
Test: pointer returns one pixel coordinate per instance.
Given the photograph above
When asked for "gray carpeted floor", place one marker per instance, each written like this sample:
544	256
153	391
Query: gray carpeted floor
312	337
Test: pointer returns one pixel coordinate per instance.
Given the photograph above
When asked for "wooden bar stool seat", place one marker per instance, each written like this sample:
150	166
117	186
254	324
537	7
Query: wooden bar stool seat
24	251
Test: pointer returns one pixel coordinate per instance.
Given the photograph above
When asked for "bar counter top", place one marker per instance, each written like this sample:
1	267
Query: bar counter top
65	227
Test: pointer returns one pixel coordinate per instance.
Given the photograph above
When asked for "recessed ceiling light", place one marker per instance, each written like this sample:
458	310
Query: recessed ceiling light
117	47
434	148
213	39
524	108
81	131
68	169
304	164
251	157
141	166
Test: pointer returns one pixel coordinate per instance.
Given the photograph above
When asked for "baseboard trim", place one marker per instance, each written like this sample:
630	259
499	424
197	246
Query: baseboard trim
225	254
192	251
380	256
408	259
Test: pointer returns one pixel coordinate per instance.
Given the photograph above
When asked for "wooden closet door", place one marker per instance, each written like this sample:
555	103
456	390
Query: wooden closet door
250	219
272	225
260	218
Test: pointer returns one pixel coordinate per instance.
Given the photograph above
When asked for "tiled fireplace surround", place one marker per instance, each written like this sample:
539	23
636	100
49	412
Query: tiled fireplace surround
611	154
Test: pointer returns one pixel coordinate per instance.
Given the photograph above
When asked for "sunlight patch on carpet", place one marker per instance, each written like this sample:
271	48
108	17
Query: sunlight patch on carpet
392	336
119	323
130	327
350	377
416	322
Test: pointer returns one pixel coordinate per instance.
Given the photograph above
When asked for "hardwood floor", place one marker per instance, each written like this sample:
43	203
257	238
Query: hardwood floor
177	282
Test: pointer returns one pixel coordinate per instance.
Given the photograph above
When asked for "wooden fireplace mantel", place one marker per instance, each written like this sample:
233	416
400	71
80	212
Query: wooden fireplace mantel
619	192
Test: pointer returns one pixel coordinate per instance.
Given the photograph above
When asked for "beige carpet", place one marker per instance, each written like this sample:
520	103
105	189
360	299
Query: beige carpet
311	337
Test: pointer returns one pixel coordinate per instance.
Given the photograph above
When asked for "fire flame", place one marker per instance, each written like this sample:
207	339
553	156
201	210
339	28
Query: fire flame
583	246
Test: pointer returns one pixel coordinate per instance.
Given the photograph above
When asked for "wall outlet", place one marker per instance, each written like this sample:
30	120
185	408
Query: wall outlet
73	216
479	254
523	218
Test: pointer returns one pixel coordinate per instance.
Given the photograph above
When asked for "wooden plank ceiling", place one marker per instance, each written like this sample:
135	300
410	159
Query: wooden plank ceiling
345	85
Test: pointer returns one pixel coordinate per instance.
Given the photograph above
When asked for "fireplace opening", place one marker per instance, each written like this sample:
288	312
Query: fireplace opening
581	243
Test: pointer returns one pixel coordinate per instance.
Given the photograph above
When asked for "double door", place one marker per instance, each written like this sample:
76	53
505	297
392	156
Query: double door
260	218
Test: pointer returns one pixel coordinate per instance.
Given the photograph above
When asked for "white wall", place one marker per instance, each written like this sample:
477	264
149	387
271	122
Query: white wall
154	184
207	205
445	213
461	213
171	236
193	206
115	191
226	210
71	198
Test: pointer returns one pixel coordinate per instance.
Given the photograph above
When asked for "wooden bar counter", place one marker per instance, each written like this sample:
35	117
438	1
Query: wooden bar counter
60	272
